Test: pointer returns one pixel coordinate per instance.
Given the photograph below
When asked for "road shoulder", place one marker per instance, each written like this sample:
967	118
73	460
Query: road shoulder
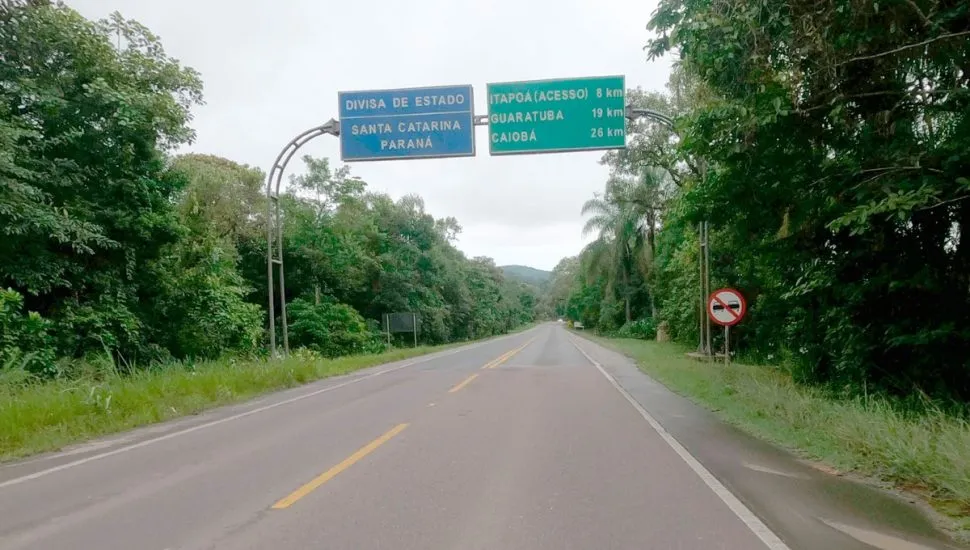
806	507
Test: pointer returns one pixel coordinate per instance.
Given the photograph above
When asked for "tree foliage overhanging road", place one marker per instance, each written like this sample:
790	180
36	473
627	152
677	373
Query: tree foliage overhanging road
836	139
111	244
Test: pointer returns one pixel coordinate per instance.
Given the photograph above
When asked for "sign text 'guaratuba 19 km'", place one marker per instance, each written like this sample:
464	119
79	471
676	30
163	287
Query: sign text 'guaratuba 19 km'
528	117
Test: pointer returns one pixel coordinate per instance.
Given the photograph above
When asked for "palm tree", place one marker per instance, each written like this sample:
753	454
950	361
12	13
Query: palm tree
647	197
626	219
613	250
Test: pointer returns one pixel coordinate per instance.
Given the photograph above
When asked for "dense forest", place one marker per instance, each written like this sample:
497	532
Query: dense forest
113	244
828	146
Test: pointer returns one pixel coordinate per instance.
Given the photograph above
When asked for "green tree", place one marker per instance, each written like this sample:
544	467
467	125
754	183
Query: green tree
198	300
381	256
561	285
221	197
839	138
111	243
86	200
625	218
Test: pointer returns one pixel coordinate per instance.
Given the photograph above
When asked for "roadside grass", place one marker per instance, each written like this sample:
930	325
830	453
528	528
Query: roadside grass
44	416
916	446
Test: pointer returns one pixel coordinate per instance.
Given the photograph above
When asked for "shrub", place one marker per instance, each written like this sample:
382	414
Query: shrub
610	316
199	308
24	340
331	329
643	329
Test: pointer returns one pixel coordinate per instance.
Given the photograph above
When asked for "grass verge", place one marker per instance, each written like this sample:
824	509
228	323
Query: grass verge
922	449
39	417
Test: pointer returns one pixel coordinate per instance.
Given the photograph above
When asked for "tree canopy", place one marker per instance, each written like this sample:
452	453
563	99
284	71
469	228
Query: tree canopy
112	244
828	145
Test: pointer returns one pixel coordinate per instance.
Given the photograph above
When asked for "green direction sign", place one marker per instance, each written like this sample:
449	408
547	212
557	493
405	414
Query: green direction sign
549	116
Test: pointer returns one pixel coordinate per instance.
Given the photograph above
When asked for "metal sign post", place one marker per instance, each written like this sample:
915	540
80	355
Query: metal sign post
704	257
274	226
726	307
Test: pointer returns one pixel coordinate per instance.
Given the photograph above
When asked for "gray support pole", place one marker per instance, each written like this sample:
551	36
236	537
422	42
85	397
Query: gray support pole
270	201
414	325
279	246
700	283
634	112
706	274
707	281
274	222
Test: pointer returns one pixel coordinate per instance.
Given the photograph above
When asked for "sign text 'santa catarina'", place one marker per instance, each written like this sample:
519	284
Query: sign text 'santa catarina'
408	123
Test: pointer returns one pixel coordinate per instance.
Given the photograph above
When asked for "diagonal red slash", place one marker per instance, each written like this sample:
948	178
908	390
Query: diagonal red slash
727	307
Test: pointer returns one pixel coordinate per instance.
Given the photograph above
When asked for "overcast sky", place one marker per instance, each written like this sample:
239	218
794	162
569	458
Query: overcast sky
273	69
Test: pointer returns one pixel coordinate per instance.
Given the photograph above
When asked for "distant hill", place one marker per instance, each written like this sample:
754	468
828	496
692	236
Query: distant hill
526	274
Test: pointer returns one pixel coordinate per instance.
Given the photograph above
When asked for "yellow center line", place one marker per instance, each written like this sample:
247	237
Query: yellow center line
463	383
491	365
316	482
494	362
498	361
508	355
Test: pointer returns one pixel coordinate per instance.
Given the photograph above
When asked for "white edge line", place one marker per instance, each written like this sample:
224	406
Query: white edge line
147	442
767	536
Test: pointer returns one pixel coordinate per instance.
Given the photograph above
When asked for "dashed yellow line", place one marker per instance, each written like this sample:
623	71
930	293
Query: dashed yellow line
491	365
506	356
463	383
316	482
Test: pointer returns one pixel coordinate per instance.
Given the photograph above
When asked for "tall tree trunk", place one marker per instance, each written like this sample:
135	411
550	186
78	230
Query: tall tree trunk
652	236
652	242
626	294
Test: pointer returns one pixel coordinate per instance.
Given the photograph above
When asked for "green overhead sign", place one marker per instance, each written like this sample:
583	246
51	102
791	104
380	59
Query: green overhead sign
549	116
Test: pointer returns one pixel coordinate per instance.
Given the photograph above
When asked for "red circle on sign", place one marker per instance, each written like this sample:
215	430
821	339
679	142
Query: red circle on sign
713	299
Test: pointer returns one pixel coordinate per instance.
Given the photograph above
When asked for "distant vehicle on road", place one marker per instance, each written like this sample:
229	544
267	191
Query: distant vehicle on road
560	321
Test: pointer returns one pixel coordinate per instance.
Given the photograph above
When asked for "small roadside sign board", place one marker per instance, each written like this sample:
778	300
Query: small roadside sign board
554	116
408	123
726	307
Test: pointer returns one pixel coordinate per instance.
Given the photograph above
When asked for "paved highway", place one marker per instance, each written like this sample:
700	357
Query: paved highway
522	442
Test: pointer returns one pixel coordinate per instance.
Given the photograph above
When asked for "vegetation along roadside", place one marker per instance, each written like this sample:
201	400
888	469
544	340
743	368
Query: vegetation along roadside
133	273
38	417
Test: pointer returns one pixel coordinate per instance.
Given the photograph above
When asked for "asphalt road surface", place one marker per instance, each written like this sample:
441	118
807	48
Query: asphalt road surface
522	442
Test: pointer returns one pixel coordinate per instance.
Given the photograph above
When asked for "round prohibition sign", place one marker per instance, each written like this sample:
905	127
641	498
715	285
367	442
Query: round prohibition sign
726	307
